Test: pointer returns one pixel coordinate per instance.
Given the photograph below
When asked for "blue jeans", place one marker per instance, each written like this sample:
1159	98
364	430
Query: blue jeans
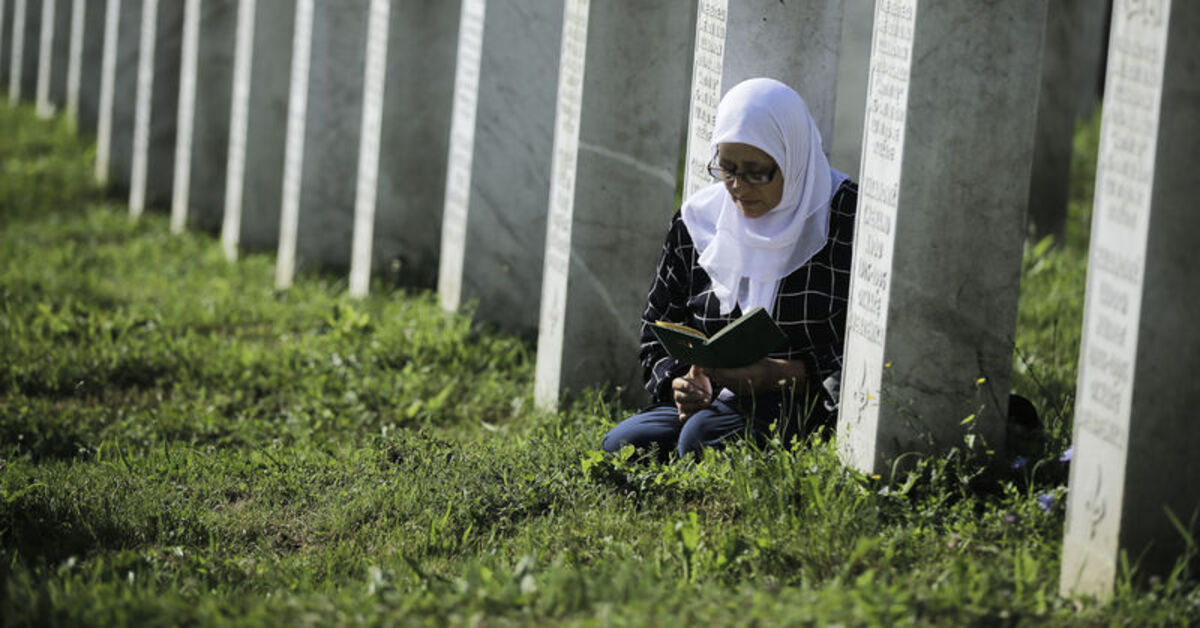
712	426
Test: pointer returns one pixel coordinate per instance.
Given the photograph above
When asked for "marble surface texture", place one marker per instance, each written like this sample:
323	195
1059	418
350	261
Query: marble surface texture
60	55
90	62
267	124
164	100
6	21
124	97
509	179
845	150
31	44
210	132
1071	79
414	142
332	133
607	225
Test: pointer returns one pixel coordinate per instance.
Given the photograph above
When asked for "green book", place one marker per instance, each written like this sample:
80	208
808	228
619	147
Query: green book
741	343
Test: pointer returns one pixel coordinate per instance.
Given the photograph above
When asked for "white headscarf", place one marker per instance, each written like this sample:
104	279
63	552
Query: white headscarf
747	257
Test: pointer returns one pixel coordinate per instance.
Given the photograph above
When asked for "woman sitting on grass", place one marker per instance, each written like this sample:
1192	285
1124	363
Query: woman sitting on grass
773	231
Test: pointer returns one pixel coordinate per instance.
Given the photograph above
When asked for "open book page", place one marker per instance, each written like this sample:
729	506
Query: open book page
744	341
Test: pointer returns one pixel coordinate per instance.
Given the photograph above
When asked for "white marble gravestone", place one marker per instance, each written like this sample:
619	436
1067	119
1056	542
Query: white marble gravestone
1071	72
105	110
845	151
117	153
940	227
794	43
31	41
153	167
259	124
498	176
1135	463
60	48
91	65
45	60
239	122
414	136
202	144
185	115
16	56
6	9
619	132
371	129
75	59
324	131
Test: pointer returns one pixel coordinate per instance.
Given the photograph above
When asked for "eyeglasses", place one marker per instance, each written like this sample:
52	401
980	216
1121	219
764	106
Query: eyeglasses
761	177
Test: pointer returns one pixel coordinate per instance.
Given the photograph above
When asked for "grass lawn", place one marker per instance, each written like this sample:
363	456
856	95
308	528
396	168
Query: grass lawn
182	444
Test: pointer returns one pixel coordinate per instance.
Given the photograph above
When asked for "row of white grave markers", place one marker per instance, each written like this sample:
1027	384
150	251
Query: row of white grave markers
332	185
940	222
42	54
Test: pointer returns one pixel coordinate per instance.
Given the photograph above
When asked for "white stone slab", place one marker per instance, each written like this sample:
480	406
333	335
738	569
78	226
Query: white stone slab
186	115
1135	444
845	151
368	152
75	59
5	39
261	179
60	46
168	48
91	66
1071	76
332	136
617	146
462	150
417	104
239	119
940	227
493	235
796	43
125	97
145	93
108	75
16	57
285	266
45	108
548	382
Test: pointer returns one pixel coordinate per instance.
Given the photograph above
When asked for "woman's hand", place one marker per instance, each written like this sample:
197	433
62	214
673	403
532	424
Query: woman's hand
766	374
693	392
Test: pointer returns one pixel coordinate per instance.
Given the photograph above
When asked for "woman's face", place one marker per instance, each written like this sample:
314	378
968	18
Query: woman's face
743	159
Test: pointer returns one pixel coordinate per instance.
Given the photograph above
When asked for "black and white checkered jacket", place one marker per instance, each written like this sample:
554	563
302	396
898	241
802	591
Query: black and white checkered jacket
810	304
